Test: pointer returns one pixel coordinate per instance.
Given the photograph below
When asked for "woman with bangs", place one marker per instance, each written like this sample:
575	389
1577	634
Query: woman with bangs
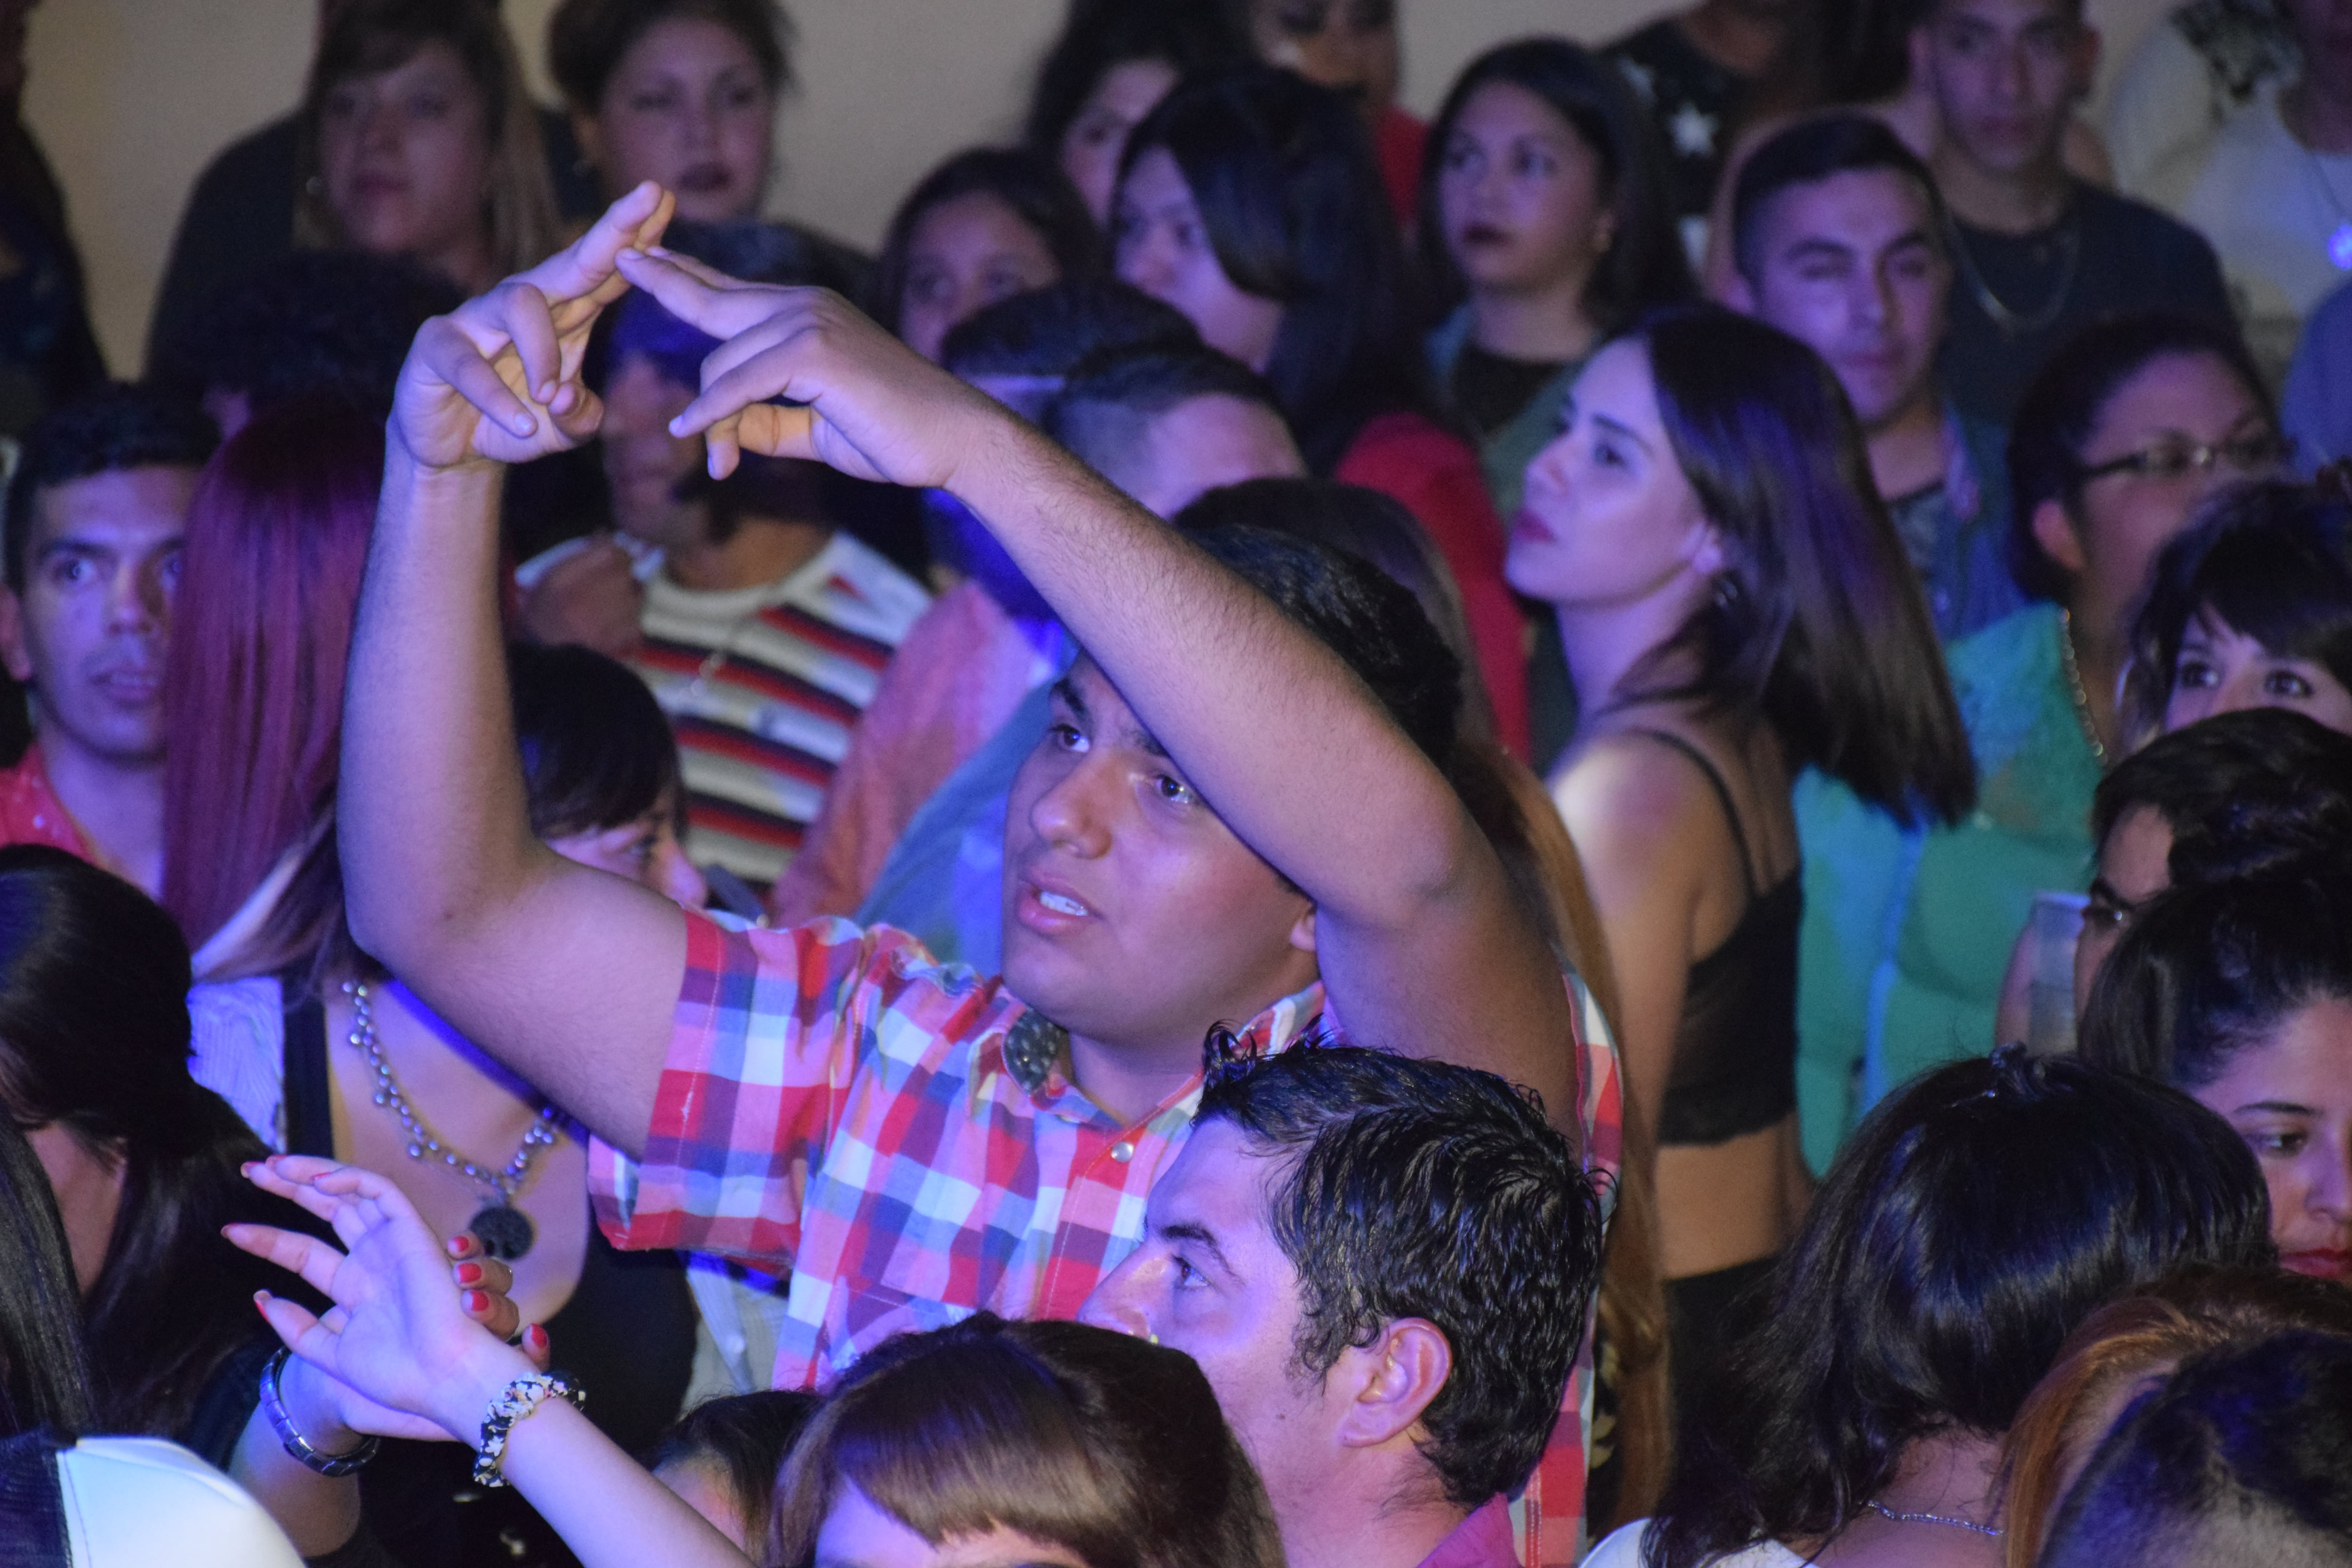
1249	200
419	139
2250	608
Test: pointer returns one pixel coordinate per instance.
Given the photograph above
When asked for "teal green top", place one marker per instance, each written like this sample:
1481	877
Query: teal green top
1503	457
1908	932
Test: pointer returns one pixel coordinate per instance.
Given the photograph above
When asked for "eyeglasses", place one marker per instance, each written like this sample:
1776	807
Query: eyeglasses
2175	459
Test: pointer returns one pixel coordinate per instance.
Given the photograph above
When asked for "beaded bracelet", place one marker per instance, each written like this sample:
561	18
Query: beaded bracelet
273	1404
522	1396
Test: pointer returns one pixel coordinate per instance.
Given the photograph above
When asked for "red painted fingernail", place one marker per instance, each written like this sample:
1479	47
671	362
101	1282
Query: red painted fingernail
536	1335
478	1300
468	1273
261	1302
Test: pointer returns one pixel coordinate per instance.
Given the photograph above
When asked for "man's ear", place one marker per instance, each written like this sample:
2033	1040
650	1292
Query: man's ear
2055	531
1391	1381
13	652
1917	43
1738	293
1302	933
2087	61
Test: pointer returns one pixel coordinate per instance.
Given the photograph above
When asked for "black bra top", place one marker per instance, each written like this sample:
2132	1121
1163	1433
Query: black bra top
1734	1063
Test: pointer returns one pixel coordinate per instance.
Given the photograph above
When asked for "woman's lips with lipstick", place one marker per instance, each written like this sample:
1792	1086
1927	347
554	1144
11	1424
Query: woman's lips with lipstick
2325	1262
1527	525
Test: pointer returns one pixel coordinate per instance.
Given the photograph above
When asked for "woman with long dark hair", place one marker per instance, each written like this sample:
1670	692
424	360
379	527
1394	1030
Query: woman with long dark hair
1973	1223
143	1168
1544	213
1735	608
1249	201
1111	65
987	224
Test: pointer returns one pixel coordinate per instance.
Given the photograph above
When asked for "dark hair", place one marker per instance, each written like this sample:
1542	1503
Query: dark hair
114	427
1973	1220
1372	625
1818	619
2124	1342
2244	1453
587	38
337	323
744	1438
1421	1189
2269	559
2067	398
1372	527
2243	792
755	252
1283	174
1812	151
94	1036
2209	970
44	1378
597	751
1646	266
1098	36
362	38
1034	187
1079	1437
1110	401
1047	332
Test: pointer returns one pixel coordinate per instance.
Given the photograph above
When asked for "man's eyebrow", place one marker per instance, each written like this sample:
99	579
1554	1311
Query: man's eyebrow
1065	691
2281	1106
1817	244
1200	1235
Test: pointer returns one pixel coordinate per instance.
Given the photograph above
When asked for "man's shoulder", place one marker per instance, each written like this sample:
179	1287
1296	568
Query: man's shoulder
1650	44
2136	229
832	966
30	812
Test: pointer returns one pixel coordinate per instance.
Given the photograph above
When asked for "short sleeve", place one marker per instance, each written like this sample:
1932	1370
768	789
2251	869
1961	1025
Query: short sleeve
239	1050
769	1029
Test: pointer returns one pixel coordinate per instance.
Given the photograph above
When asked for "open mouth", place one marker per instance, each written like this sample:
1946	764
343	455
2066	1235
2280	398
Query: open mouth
1061	905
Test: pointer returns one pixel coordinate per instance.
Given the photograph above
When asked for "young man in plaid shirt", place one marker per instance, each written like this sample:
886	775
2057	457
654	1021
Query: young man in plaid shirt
916	1143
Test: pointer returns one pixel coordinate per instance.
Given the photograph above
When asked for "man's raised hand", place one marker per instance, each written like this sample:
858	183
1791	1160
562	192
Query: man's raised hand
871	406
498	379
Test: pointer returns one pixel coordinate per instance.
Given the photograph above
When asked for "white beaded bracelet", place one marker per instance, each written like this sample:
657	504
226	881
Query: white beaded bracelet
522	1396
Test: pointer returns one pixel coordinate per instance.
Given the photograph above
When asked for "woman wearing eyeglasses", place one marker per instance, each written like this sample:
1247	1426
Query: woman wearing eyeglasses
2120	439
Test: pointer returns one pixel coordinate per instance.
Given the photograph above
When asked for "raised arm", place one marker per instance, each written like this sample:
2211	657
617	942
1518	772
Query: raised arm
567	975
1417	933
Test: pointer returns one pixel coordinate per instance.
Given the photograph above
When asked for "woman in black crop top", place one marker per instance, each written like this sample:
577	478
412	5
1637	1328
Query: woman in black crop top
1736	607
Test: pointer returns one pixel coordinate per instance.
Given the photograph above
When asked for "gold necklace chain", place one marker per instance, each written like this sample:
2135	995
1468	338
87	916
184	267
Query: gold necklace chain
2076	690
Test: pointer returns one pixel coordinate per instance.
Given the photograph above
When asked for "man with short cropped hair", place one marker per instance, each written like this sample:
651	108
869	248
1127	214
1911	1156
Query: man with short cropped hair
95	518
1840	240
1384	1267
2038	254
916	844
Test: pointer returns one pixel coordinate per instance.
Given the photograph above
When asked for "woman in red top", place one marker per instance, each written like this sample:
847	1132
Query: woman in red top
1250	201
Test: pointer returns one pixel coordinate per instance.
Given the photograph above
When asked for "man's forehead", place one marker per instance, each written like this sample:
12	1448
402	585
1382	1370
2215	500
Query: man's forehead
2006	13
129	508
1860	208
1217	1180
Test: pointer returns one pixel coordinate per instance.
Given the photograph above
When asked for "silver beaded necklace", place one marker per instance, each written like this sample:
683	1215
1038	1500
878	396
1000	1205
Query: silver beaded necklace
1886	1513
504	1230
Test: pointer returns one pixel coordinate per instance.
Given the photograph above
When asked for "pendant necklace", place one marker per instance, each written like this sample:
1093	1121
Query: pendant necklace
504	1230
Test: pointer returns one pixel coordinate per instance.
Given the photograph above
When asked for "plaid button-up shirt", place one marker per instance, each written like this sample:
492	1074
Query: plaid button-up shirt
836	1104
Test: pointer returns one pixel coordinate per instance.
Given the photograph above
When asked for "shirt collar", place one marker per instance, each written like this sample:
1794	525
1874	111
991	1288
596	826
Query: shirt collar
1481	1541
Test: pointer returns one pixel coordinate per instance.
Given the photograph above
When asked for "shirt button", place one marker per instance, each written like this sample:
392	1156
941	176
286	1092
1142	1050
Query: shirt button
1122	1152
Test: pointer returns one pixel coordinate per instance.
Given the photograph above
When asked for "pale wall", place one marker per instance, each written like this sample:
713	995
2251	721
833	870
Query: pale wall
131	97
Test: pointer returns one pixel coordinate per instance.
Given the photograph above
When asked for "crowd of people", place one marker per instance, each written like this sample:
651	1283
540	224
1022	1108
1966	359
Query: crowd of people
1615	830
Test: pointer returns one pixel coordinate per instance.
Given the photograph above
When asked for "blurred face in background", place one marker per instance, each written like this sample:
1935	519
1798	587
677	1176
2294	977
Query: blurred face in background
646	851
1853	268
1161	245
1092	146
1523	195
688	107
646	467
965	254
405	163
1348	46
2221	669
2005	75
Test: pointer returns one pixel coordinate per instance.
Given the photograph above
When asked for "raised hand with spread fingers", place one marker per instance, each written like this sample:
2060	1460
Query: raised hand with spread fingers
399	1339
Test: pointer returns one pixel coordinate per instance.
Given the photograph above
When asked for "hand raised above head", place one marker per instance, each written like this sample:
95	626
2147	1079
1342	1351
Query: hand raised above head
498	379
872	408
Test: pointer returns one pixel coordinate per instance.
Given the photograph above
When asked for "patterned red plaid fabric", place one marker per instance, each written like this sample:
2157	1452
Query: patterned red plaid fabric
836	1104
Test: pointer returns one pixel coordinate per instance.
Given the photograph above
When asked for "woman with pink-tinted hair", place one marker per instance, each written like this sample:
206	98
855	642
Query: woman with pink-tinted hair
320	1048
